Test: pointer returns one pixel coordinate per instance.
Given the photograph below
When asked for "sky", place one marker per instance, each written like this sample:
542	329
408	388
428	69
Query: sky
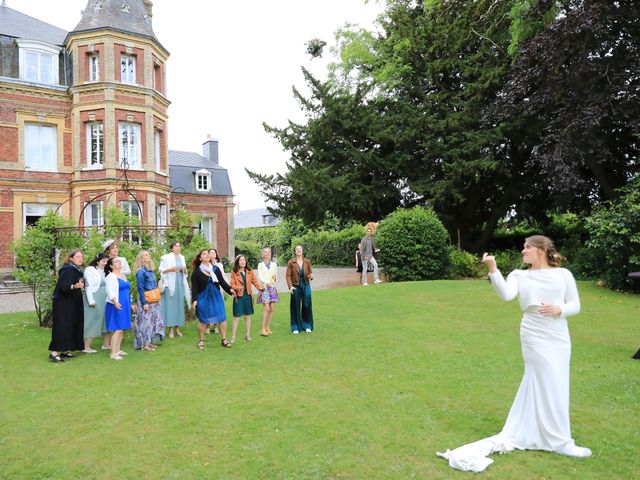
232	66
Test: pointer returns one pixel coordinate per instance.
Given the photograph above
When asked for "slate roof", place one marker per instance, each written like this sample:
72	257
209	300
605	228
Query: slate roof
123	15
18	25
182	166
253	218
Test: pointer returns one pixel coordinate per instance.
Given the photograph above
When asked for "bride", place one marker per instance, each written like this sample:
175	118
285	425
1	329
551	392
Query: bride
539	416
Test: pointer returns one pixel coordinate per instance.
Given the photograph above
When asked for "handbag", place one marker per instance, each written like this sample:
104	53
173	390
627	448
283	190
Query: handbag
162	285
152	296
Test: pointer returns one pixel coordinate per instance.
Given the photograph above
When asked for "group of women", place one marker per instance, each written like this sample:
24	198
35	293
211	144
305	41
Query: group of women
97	302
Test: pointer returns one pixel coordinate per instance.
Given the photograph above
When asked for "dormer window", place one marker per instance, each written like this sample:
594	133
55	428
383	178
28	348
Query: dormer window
203	180
128	69
38	62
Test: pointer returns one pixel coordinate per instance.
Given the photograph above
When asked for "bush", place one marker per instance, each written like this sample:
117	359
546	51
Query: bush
508	260
251	250
414	245
614	231
330	248
464	264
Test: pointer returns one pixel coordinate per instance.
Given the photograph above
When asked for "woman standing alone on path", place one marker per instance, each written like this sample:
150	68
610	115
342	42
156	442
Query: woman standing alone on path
173	270
539	416
299	276
94	300
268	276
68	312
149	321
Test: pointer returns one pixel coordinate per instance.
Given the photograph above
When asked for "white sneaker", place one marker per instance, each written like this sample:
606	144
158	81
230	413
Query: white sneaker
116	357
296	332
572	450
365	284
89	350
308	330
122	353
105	348
378	281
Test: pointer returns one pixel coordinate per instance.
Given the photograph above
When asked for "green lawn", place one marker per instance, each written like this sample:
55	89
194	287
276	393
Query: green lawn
392	374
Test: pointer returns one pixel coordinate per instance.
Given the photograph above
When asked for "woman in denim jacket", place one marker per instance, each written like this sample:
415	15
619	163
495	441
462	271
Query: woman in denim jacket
149	324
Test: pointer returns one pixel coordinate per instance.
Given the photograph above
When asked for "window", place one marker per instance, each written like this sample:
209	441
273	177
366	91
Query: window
95	145
94	67
203	181
156	149
131	208
31	213
161	214
93	214
205	228
40	147
38	62
129	145
128	69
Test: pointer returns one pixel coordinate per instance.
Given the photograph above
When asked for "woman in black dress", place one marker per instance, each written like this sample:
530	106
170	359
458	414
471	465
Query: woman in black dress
68	311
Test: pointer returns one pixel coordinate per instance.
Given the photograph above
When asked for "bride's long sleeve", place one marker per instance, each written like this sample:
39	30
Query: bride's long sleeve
506	290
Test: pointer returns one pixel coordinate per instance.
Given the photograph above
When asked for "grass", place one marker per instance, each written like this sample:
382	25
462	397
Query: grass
392	374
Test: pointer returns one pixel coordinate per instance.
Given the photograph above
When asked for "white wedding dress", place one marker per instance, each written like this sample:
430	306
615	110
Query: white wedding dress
539	416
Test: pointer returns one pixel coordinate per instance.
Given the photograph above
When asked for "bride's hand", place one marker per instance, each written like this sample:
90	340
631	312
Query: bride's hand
490	262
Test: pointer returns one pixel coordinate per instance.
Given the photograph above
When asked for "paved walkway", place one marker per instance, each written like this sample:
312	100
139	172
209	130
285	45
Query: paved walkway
323	278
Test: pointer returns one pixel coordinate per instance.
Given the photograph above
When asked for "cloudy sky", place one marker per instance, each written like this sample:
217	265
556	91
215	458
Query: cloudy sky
232	67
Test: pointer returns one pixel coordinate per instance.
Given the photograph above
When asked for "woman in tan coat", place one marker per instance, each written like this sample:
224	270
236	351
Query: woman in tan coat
242	277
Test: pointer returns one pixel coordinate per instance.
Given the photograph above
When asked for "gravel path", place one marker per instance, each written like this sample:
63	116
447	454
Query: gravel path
323	278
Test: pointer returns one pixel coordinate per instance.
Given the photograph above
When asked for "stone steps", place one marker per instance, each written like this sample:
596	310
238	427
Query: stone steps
13	286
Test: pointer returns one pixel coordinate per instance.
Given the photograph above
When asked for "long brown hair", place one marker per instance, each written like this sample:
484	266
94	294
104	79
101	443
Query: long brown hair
196	261
554	259
236	264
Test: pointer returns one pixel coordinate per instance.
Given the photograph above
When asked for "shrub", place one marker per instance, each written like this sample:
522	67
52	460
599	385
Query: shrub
508	260
330	248
414	245
464	264
614	231
251	250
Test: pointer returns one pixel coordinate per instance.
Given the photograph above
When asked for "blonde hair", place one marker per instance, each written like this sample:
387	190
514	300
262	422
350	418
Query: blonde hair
139	263
554	259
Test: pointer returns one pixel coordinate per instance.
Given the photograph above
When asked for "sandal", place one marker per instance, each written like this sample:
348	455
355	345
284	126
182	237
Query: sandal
225	343
200	345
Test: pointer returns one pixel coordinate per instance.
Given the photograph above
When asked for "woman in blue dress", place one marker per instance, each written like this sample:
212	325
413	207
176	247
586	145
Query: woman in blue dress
206	280
118	309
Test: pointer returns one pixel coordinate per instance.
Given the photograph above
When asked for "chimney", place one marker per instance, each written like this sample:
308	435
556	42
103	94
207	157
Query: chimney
210	149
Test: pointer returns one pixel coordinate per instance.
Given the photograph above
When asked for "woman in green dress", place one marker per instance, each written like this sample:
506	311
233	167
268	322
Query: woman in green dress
242	277
173	271
94	300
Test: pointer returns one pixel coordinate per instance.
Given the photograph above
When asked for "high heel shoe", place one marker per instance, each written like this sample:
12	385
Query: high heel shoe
264	333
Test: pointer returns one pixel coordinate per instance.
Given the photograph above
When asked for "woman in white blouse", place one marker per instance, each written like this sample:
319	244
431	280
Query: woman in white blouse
268	276
111	249
539	416
173	271
94	300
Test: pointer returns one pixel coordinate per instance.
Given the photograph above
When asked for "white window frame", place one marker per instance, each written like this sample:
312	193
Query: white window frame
205	176
128	69
128	206
206	224
95	134
36	210
94	67
156	148
129	145
161	214
30	134
94	214
30	48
